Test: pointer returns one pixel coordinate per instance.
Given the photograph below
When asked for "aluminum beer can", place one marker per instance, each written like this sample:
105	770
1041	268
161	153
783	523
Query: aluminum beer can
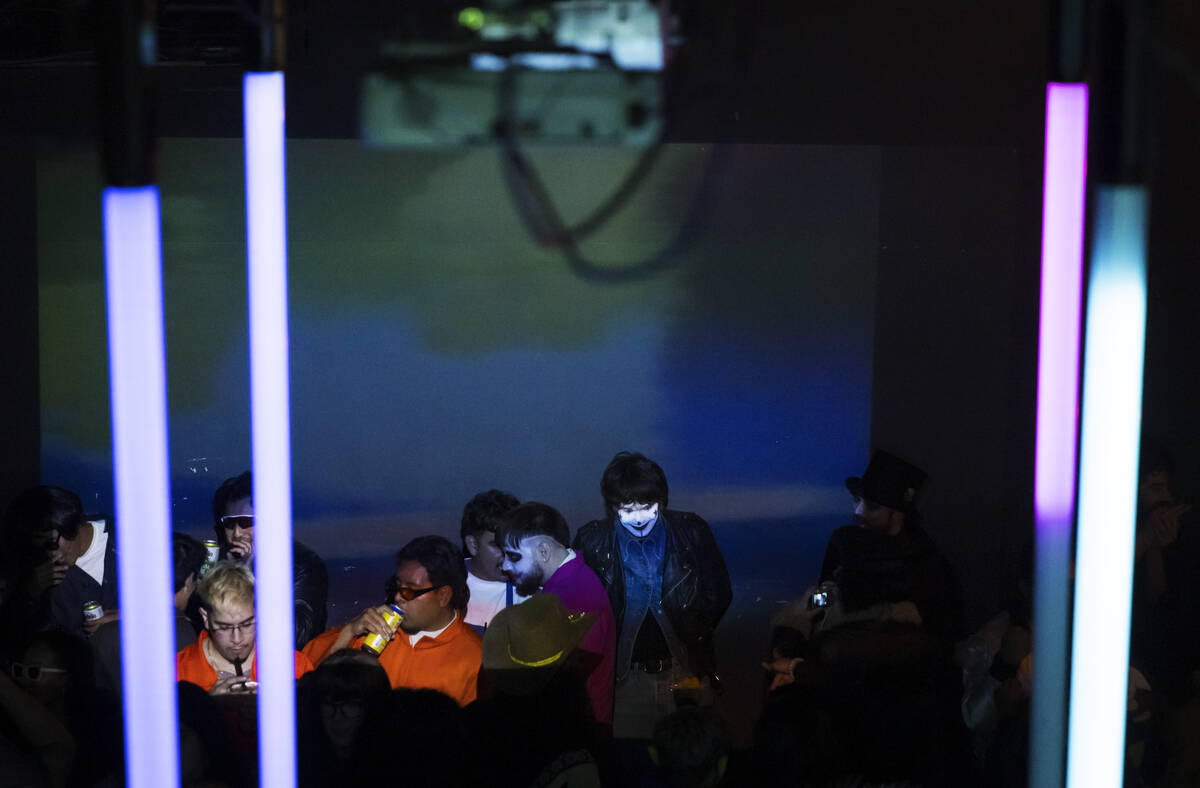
212	552
375	643
92	611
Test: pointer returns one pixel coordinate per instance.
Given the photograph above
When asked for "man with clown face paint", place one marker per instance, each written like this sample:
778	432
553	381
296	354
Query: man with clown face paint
668	586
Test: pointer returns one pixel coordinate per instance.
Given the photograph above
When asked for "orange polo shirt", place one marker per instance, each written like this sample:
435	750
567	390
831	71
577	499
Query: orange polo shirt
448	663
191	665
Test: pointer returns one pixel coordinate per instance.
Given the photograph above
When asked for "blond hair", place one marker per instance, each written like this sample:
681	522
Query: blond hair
226	585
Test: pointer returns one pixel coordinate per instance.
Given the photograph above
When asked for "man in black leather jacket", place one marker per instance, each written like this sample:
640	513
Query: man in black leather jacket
233	520
667	583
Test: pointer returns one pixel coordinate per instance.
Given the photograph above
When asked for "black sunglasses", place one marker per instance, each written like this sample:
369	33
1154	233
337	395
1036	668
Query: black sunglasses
392	587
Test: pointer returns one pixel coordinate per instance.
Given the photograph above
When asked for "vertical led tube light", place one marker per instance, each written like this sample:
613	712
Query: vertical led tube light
137	375
1064	199
266	236
1112	410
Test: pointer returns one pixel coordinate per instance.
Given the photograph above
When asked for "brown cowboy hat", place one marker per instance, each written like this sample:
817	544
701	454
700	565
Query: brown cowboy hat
526	644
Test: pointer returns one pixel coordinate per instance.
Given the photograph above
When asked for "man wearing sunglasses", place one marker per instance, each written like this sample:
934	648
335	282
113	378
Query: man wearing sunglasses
221	660
62	560
433	648
233	520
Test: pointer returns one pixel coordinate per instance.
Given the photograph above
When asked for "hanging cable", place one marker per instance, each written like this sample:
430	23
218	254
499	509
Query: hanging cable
542	219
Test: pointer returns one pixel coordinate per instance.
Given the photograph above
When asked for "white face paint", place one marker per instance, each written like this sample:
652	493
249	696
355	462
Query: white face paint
638	518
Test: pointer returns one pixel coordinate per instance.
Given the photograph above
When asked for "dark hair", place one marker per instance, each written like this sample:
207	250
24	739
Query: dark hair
349	674
39	510
232	489
440	739
690	743
484	513
344	676
632	477
189	556
533	519
200	713
443	563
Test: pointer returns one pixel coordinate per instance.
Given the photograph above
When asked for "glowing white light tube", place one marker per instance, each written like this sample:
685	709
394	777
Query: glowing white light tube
1112	411
1063	203
137	376
266	240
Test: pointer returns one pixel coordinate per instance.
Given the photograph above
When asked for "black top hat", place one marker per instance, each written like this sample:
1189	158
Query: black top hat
524	645
888	480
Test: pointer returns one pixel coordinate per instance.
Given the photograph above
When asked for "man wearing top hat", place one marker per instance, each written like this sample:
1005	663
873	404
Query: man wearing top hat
887	553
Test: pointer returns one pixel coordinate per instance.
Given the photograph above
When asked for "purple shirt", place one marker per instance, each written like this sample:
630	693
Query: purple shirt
582	592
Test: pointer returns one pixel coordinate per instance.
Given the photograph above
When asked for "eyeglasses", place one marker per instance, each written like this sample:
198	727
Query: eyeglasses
347	708
243	521
32	672
392	588
245	625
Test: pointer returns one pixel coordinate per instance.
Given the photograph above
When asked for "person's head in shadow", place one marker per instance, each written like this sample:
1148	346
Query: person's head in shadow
531	665
341	703
796	741
206	753
529	651
345	687
43	533
57	668
432	733
690	748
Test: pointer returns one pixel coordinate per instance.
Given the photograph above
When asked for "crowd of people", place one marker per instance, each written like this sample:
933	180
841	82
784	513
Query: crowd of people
520	656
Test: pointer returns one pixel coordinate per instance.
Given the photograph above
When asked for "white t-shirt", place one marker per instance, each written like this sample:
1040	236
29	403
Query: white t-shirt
488	597
92	561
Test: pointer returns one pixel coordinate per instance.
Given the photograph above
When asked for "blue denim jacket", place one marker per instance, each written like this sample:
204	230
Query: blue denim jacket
643	561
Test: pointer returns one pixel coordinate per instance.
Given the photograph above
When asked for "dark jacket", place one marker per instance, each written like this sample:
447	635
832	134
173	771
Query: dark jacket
872	567
695	588
61	606
311	588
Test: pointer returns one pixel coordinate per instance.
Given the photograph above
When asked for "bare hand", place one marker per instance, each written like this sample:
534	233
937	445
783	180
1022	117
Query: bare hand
241	547
90	627
797	614
47	575
781	669
234	685
372	620
1164	524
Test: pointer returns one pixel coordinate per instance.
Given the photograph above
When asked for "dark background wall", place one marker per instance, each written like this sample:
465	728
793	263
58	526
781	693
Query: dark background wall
20	460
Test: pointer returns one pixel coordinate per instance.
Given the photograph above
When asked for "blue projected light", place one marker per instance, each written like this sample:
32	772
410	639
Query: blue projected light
1112	409
266	241
137	375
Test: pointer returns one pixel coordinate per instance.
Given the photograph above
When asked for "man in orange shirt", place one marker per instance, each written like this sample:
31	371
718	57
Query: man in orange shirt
222	658
434	648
